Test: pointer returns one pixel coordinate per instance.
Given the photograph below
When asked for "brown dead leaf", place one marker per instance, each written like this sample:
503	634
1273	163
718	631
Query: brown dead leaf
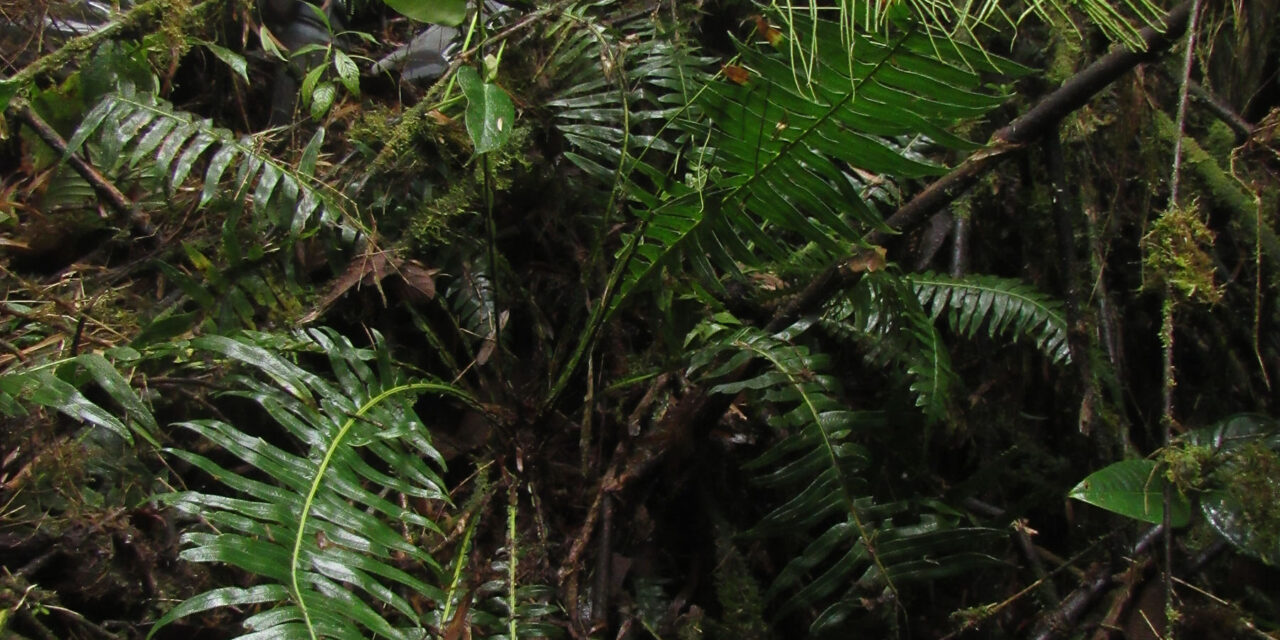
369	267
736	73
767	31
870	259
419	278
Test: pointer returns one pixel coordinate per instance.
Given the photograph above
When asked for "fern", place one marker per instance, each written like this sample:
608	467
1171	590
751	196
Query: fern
882	315
857	548
57	385
139	128
778	167
1004	306
309	524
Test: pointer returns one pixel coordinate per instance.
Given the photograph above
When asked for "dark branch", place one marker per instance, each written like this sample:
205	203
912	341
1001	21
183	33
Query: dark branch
1072	95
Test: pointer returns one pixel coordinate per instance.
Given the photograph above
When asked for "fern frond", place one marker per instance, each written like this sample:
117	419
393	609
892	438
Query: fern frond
57	385
137	127
778	168
1004	306
882	315
858	548
950	23
316	526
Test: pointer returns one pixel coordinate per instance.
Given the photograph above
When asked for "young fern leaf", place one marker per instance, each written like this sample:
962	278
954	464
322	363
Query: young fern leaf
170	144
316	526
1004	306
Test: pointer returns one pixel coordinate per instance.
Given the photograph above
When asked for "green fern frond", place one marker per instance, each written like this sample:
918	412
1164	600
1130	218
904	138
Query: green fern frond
859	547
948	23
882	315
779	168
1004	306
137	128
57	385
626	121
316	526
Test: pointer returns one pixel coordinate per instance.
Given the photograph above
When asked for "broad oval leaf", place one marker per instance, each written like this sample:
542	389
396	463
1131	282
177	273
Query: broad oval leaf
490	114
322	98
1133	488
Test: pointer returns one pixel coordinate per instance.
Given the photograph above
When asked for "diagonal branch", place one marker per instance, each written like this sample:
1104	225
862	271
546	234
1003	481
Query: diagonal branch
138	220
1027	128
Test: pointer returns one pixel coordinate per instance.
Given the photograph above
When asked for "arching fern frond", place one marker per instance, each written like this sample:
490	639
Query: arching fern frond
332	551
778	168
947	22
633	118
855	549
882	315
138	128
1004	306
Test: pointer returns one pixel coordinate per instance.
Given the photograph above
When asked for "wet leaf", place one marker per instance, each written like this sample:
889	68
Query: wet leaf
1133	488
446	12
490	114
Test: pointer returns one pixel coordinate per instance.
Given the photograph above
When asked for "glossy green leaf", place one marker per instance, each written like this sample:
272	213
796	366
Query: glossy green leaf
224	597
1242	487
55	393
322	99
1135	489
186	162
445	12
311	154
348	72
284	373
1231	519
230	58
268	42
213	174
490	115
110	380
8	89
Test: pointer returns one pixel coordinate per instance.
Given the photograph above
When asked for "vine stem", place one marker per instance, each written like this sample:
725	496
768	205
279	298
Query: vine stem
338	438
1166	330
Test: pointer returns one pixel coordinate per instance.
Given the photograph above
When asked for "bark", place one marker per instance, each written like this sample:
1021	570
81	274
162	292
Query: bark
1072	95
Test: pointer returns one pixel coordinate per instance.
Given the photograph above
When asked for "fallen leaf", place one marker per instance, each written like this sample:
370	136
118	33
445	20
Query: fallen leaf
419	278
767	31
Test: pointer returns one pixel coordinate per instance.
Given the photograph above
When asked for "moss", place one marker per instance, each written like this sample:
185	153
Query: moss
1177	256
509	160
429	225
1186	465
1221	190
741	603
1219	140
